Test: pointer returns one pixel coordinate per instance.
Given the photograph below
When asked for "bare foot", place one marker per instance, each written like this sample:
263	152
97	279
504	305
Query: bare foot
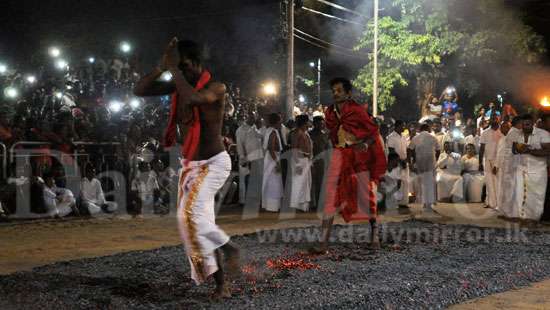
233	263
221	293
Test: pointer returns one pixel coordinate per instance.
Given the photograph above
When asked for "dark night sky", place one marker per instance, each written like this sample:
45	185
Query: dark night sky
238	32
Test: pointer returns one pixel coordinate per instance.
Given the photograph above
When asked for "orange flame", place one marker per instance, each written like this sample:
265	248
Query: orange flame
545	102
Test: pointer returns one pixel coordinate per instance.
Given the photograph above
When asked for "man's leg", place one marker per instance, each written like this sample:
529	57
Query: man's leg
223	290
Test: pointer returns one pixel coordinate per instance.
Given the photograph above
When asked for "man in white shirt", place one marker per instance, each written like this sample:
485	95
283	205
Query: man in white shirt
425	148
255	163
397	143
92	199
240	136
145	190
59	202
508	199
533	147
487	158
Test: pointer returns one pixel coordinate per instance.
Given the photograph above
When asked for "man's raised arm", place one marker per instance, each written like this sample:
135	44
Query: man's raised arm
149	85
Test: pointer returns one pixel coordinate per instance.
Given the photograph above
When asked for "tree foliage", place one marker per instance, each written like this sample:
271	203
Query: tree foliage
423	41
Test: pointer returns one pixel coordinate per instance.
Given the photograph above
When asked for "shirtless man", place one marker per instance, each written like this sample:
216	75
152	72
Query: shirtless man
197	112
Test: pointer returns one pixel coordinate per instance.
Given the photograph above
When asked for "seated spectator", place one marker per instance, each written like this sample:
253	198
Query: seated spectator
92	199
59	202
390	184
473	178
145	190
449	176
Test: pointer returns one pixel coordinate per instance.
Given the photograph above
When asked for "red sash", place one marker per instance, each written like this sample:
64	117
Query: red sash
192	138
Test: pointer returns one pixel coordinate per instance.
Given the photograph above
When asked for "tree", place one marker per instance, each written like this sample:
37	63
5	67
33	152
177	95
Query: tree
424	41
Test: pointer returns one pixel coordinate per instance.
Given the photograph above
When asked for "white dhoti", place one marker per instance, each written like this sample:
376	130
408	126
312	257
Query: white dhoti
198	185
449	186
243	172
300	196
254	190
427	187
510	196
405	189
473	186
490	184
533	190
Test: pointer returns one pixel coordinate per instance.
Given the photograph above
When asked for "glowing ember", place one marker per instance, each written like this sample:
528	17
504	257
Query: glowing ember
545	102
299	262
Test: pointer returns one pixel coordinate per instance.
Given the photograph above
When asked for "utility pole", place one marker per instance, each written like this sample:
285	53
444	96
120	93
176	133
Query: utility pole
319	80
289	107
375	74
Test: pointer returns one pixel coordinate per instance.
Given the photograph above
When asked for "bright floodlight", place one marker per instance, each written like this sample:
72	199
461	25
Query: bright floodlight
69	87
302	98
166	76
11	92
61	64
54	52
115	106
545	102
3	68
91	60
270	89
31	79
58	95
134	103
312	64
125	47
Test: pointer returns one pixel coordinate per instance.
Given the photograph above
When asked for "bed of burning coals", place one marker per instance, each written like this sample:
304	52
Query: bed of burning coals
420	265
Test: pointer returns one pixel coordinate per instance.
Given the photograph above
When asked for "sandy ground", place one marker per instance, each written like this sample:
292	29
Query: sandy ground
32	244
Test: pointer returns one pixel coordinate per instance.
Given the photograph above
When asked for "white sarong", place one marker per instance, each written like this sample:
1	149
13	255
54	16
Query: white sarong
198	185
272	185
301	184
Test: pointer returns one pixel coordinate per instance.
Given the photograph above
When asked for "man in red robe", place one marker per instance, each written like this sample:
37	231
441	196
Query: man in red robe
356	165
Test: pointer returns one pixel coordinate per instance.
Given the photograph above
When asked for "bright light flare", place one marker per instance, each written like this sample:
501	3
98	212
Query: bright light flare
115	106
135	103
3	68
545	102
269	89
312	64
31	79
302	98
54	52
58	95
125	47
61	64
11	92
166	76
91	60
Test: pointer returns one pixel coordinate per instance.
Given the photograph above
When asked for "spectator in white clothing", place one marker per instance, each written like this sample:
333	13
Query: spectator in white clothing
92	199
59	202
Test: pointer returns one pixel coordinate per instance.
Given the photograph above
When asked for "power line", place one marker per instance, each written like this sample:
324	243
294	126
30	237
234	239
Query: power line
321	40
332	16
326	48
334	5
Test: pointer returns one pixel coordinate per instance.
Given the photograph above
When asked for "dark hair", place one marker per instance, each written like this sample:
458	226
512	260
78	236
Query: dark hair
318	119
516	120
544	117
399	123
526	117
345	83
301	120
424	127
273	119
190	50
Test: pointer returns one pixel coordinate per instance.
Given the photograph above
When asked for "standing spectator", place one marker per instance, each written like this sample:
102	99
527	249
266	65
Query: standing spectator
487	158
145	190
240	136
425	148
300	192
272	188
319	138
534	147
255	162
397	143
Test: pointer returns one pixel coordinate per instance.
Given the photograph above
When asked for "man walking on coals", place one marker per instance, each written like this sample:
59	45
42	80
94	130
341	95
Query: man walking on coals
357	163
197	111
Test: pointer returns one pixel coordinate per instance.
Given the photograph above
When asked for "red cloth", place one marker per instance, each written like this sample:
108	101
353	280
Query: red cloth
192	138
352	173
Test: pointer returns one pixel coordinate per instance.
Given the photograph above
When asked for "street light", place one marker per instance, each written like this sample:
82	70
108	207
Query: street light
3	68
312	64
125	47
54	52
91	60
11	92
302	98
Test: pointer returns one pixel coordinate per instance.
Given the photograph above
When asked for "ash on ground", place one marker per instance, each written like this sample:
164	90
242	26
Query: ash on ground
420	265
